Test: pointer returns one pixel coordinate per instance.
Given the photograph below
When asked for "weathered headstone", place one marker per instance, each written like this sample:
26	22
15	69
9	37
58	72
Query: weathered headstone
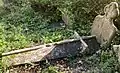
103	27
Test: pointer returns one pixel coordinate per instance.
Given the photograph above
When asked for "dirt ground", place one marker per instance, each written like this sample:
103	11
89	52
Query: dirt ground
77	64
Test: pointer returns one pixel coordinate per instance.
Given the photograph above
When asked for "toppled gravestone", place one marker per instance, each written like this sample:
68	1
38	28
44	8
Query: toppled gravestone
61	49
103	27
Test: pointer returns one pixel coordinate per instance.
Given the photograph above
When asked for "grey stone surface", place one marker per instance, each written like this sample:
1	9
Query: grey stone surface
103	27
53	51
116	49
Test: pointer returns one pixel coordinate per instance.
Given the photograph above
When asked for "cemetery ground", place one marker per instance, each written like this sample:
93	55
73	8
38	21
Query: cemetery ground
23	25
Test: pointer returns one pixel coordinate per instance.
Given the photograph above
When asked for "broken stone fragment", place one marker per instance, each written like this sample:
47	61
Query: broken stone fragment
116	49
103	27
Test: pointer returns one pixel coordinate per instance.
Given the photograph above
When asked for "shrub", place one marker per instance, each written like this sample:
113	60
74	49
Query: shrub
109	62
79	13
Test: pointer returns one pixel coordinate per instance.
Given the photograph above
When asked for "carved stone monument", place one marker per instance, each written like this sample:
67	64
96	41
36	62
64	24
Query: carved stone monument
103	27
